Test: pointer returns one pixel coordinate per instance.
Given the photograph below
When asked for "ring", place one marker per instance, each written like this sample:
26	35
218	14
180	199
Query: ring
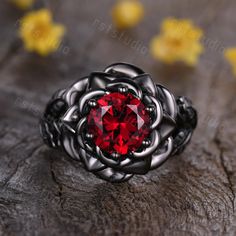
118	122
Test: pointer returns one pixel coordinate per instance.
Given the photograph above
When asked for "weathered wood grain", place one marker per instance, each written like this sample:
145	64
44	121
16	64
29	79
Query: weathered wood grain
42	192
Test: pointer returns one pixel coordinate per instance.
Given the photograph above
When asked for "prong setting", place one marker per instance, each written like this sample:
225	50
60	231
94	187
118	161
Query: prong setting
92	103
115	155
123	89
75	116
146	142
150	108
89	136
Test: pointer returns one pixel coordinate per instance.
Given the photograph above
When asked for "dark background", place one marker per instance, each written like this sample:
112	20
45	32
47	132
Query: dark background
43	192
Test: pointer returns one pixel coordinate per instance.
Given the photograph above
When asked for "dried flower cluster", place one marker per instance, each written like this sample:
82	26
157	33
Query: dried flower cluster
179	40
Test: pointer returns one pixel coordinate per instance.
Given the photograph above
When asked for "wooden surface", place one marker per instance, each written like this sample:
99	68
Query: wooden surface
42	192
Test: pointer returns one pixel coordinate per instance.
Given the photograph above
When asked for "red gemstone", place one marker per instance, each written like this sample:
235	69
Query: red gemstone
119	123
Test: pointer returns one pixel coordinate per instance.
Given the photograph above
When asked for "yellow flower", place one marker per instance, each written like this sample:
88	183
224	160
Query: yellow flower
230	56
23	4
39	33
179	41
127	13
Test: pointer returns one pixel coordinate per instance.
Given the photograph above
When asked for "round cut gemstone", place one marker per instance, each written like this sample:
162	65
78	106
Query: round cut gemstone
119	123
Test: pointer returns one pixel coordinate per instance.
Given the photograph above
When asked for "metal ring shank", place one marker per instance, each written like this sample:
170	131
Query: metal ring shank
186	121
174	122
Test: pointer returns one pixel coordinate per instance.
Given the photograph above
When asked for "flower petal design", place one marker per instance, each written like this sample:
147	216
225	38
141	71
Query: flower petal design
79	131
69	118
159	158
155	141
167	126
113	176
130	84
168	101
138	167
99	80
65	122
107	161
91	163
145	81
123	70
70	146
158	112
86	97
75	91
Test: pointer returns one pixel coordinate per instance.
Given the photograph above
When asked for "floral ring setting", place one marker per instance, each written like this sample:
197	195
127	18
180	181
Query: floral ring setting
118	122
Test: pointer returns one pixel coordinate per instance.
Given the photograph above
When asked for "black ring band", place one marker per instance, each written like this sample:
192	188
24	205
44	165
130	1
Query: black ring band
65	112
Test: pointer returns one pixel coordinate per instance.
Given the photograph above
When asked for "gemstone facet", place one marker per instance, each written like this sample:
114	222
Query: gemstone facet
119	123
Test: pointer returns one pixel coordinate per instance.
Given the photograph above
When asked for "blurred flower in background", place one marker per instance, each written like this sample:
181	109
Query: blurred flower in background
23	4
127	13
230	56
178	41
39	33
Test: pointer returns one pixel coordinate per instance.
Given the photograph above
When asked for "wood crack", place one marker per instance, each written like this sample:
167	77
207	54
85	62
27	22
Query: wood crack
225	169
58	184
19	165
